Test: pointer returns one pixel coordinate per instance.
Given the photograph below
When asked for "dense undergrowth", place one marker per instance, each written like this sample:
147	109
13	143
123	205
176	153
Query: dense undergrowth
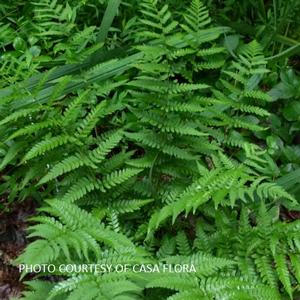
157	135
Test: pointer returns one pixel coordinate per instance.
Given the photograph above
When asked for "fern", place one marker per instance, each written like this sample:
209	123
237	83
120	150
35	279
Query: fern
68	164
66	233
146	140
78	160
223	187
86	185
196	17
266	245
48	145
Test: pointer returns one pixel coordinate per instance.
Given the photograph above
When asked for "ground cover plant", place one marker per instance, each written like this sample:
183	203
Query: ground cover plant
152	133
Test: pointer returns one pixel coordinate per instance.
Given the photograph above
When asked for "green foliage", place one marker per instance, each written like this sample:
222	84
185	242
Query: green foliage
150	138
275	23
264	247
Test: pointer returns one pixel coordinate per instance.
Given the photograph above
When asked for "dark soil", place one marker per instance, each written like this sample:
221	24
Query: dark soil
289	215
12	241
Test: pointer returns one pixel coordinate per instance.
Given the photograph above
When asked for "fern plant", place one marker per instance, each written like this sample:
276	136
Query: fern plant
228	183
145	151
67	143
72	237
167	97
265	248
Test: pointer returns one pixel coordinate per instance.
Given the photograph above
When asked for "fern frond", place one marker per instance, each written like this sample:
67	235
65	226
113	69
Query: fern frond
48	145
105	146
86	185
23	113
183	244
33	128
126	206
68	164
158	142
283	273
196	17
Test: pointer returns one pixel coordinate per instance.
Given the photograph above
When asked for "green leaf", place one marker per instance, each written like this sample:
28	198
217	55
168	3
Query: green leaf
109	15
231	42
292	111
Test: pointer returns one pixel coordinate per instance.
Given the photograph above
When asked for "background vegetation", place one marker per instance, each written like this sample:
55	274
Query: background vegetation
154	132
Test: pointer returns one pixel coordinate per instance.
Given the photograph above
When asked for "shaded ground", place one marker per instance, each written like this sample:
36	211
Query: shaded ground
12	242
